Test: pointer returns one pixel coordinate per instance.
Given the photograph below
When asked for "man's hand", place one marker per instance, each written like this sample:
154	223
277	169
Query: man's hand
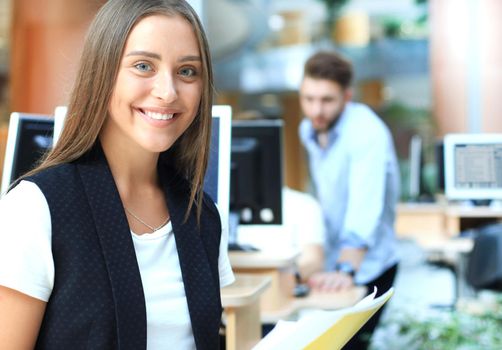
332	281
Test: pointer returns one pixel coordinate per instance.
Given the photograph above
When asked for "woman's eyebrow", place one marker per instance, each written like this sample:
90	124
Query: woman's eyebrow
144	53
190	58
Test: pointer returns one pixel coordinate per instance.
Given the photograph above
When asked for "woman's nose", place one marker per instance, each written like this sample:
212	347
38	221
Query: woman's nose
165	87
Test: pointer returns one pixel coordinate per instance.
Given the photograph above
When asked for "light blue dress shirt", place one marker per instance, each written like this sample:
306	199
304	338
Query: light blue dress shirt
356	179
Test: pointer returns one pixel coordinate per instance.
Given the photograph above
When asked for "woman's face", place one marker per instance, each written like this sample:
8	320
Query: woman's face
158	87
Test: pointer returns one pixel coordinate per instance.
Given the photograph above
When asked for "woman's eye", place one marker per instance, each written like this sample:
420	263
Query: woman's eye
188	72
143	67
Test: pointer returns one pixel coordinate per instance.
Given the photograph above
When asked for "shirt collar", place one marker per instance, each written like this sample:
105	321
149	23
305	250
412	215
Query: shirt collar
334	131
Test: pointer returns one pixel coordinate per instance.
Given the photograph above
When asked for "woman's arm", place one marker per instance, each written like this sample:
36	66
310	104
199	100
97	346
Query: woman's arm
20	319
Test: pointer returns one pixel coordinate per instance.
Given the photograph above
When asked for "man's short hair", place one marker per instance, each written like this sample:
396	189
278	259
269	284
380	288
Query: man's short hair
331	66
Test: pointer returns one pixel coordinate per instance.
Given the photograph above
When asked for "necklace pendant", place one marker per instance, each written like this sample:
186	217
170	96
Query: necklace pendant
153	229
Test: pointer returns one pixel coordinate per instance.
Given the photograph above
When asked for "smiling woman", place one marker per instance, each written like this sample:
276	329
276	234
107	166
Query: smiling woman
158	88
116	227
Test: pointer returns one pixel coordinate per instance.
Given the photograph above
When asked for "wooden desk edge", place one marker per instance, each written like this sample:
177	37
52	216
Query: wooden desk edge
262	259
245	290
448	209
475	212
420	208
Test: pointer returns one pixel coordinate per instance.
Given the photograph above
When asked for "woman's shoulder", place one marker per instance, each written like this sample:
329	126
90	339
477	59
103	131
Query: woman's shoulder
24	202
25	192
25	241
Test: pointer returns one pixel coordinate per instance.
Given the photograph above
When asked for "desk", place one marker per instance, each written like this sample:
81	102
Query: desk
277	302
459	218
240	301
278	267
420	221
436	226
431	222
455	252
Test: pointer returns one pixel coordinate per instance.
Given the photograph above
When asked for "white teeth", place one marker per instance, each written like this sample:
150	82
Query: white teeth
159	116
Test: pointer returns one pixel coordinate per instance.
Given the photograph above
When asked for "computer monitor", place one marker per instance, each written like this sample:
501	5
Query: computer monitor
29	138
473	166
416	165
256	171
217	179
439	160
59	118
418	191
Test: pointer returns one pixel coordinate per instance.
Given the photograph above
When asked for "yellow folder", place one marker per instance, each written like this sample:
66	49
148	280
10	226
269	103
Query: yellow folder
323	329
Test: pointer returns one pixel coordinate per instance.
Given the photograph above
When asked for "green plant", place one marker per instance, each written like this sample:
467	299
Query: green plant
404	122
333	8
441	330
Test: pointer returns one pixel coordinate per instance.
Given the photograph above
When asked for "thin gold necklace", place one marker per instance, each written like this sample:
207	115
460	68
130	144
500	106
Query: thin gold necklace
147	225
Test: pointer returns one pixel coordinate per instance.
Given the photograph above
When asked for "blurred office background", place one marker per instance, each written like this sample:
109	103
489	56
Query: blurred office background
427	67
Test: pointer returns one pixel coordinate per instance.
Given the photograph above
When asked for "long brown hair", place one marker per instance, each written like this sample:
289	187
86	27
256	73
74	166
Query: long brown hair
95	80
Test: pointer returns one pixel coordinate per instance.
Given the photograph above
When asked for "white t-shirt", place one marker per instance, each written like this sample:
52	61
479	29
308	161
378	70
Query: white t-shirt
26	265
303	218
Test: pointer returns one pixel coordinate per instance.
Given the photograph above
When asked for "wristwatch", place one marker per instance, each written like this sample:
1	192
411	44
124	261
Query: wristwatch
345	267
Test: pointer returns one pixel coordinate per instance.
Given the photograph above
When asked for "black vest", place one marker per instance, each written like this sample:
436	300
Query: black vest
98	301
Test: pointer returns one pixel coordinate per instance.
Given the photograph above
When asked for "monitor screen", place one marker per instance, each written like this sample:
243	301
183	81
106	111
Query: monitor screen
256	171
28	139
473	166
217	179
